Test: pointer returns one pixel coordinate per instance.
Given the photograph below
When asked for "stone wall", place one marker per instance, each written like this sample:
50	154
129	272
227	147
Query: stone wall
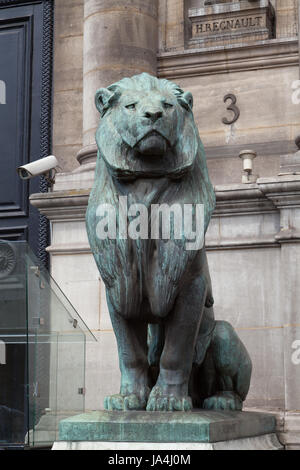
269	121
260	74
173	14
209	74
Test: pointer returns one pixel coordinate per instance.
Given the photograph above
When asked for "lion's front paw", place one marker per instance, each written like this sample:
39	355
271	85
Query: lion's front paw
125	402
161	401
224	401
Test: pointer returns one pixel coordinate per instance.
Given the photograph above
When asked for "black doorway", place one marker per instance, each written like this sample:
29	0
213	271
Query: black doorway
26	50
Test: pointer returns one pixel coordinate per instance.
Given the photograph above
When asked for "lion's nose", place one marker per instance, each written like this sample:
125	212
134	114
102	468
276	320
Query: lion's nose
153	114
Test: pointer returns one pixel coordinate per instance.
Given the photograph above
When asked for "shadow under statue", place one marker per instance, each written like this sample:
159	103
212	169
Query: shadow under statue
173	354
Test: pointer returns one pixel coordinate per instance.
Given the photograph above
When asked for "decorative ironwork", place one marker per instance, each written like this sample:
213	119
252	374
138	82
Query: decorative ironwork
8	259
46	108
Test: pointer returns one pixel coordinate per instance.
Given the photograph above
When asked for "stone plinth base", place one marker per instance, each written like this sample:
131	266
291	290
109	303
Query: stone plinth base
199	429
231	23
266	442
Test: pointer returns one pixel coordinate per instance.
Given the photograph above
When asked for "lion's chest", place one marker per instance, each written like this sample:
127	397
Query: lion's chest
137	267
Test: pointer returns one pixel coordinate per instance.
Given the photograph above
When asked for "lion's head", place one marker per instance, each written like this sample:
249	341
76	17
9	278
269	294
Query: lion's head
147	126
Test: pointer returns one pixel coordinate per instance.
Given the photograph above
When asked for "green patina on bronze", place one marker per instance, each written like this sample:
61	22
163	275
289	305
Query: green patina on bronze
173	354
201	426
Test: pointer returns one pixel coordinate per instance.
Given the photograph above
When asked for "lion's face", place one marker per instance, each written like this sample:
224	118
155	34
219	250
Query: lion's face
148	122
146	131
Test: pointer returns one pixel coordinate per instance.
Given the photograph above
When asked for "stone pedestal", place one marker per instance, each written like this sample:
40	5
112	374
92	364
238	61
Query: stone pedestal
140	430
231	23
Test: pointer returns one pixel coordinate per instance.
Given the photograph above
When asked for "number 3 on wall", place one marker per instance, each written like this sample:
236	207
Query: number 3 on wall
232	107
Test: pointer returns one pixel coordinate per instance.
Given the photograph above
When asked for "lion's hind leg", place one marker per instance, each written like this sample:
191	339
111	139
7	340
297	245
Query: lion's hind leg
233	369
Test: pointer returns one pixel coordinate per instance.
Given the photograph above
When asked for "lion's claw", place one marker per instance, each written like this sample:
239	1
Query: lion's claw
158	401
119	402
229	401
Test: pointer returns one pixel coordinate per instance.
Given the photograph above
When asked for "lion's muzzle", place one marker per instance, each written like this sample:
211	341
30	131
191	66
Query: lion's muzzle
153	144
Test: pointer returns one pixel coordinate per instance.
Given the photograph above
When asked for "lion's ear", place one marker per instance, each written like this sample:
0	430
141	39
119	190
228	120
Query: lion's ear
102	100
187	100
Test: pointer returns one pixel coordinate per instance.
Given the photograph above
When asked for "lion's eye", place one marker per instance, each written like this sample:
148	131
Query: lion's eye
130	106
168	105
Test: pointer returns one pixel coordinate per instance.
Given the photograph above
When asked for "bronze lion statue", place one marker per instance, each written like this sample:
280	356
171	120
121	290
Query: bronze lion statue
173	355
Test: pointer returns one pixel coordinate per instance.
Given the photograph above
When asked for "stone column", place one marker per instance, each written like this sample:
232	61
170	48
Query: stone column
299	32
120	39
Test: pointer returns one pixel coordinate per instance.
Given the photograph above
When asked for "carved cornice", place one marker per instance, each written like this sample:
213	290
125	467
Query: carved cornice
235	58
284	191
62	205
241	199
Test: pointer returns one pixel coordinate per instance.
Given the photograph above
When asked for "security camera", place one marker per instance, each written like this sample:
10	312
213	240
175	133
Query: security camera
44	166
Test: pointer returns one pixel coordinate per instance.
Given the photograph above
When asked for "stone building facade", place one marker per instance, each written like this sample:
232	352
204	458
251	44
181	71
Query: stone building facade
240	60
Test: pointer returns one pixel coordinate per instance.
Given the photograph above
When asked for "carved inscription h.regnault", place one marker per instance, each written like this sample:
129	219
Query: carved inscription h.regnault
227	25
230	23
